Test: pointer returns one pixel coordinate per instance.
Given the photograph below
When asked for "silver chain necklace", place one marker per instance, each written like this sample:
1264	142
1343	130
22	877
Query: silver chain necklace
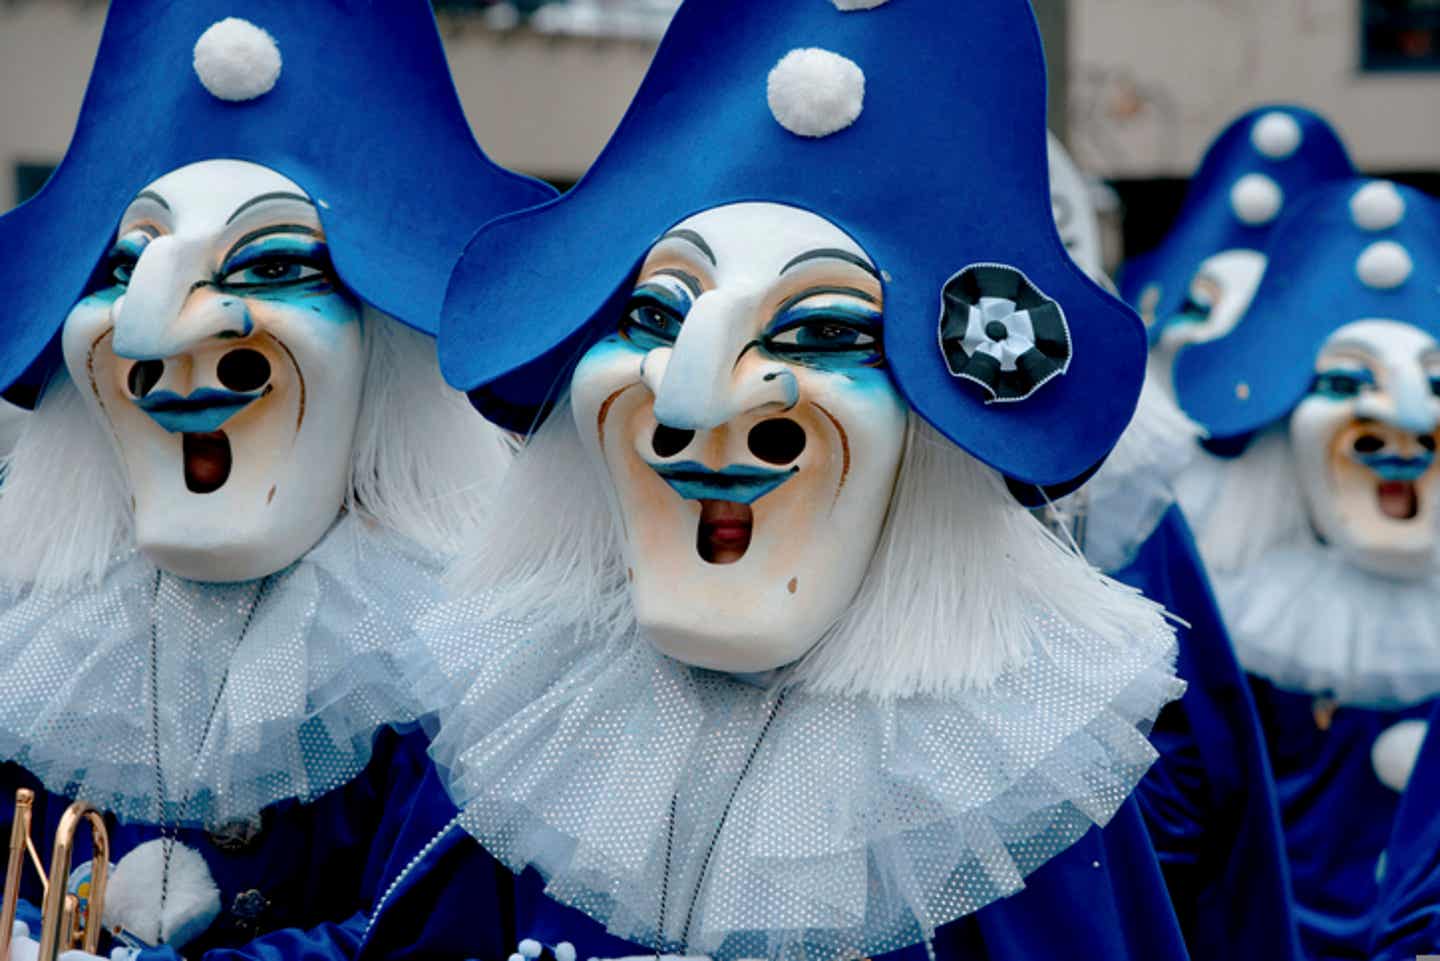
170	827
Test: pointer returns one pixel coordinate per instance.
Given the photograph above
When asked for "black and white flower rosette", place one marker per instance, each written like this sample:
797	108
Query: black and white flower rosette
999	331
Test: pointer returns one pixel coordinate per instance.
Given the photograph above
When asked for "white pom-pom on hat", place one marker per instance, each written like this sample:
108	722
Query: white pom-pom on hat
1377	206
1276	135
237	60
1384	265
530	948
815	93
564	951
849	5
1394	753
1256	199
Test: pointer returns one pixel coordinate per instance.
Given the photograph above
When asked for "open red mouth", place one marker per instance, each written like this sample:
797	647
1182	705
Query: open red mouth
1398	499
725	528
207	461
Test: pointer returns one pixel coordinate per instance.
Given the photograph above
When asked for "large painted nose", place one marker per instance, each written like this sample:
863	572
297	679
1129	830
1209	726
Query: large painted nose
171	303
709	377
1408	403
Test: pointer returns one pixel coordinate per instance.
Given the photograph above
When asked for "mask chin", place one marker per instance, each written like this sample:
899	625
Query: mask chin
1380	518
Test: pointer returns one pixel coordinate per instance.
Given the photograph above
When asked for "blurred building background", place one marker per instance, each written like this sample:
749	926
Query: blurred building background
1138	86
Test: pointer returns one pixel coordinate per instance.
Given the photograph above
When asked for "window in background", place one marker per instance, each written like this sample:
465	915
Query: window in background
29	178
1400	35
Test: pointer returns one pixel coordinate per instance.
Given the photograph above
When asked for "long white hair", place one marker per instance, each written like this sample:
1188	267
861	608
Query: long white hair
425	466
957	592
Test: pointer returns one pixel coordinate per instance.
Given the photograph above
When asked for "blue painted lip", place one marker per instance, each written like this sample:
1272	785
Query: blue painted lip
203	412
737	483
1391	467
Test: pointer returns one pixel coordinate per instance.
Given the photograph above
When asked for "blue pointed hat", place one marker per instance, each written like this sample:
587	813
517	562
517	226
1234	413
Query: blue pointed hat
1261	164
351	99
1353	250
935	162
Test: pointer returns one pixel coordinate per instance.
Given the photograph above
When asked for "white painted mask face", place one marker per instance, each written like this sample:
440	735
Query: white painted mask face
1364	442
1220	293
752	436
227	361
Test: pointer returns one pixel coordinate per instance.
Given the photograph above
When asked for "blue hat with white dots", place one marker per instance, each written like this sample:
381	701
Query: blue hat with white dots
917	127
1353	250
351	100
1261	165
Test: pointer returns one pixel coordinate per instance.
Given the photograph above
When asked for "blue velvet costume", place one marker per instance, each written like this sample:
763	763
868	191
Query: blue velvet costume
1407	916
1209	801
316	866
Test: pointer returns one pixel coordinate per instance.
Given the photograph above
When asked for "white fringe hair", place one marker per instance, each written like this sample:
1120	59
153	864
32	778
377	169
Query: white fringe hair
954	595
1242	507
425	466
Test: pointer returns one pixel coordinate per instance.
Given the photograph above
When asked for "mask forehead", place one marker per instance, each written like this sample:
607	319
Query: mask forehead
756	242
205	197
1390	343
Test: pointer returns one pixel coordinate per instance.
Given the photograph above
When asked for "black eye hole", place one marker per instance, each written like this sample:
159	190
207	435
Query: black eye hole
779	441
649	323
1193	310
669	441
1435	386
1427	441
1368	444
143	377
243	370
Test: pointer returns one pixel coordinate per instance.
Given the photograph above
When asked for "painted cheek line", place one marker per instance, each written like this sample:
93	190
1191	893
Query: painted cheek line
844	449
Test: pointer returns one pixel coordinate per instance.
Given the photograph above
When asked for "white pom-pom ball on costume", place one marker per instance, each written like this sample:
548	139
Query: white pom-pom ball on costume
815	93
1276	135
1256	199
1394	752
564	951
849	5
1384	266
1377	206
530	948
192	900
237	60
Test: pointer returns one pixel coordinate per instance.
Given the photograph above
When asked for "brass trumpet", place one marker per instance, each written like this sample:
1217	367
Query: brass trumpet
61	928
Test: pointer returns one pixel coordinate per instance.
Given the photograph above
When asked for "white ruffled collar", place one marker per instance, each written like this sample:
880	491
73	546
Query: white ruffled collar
856	827
1307	620
268	690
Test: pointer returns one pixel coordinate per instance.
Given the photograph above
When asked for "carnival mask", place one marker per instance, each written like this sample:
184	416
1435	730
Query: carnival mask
1364	442
1220	293
228	362
752	437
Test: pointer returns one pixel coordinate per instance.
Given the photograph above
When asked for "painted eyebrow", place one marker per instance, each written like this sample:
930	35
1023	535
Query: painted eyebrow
1351	346
265	198
833	253
694	240
151	195
684	276
255	235
816	291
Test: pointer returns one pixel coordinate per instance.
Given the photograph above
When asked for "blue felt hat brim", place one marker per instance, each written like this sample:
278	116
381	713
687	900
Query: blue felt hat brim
364	118
1257	374
945	168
